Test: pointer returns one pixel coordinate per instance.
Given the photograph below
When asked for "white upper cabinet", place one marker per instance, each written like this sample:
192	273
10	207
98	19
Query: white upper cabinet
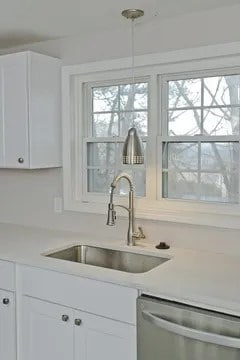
30	124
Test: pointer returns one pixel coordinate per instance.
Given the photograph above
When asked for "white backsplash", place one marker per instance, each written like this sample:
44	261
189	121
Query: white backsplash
27	197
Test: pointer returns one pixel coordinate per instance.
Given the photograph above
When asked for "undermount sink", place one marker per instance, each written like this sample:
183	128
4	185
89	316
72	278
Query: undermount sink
111	259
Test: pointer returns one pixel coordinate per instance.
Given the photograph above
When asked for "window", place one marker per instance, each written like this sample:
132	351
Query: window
112	111
188	114
201	154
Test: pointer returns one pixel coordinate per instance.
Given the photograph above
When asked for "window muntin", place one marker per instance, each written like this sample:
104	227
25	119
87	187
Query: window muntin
201	154
193	171
113	110
204	106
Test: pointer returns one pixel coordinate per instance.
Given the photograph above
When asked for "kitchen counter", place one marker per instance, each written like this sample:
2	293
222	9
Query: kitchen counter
204	279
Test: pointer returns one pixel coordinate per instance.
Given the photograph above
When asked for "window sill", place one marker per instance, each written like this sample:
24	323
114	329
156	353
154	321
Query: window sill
192	218
174	212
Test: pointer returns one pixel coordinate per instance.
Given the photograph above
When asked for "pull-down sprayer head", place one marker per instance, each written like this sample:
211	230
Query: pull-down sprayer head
111	218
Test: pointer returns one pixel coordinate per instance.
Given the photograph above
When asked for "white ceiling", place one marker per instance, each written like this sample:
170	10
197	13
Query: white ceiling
24	21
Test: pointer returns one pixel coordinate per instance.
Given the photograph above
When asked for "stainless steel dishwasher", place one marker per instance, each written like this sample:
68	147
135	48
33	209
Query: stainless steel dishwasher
173	331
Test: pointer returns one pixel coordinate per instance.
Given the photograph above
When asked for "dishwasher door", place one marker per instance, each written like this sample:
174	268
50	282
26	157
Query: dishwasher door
172	331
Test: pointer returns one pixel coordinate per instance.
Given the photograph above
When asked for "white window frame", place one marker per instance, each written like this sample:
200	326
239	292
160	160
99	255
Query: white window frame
159	68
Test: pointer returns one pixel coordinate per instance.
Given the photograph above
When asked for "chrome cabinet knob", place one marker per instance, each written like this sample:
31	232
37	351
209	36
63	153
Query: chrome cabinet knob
21	160
77	322
6	301
65	318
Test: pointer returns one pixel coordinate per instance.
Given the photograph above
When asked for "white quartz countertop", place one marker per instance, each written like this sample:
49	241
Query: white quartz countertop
204	279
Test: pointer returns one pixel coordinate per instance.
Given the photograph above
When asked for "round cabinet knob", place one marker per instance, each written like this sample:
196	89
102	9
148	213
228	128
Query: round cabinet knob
21	160
78	322
6	301
65	318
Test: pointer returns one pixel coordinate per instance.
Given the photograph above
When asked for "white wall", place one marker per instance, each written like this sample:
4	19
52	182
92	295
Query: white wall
26	197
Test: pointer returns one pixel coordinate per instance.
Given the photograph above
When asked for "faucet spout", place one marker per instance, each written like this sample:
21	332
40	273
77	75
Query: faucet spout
132	234
122	176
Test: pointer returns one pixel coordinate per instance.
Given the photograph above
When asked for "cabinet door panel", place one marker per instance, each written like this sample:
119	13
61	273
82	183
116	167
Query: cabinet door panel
7	326
16	113
1	116
45	335
98	338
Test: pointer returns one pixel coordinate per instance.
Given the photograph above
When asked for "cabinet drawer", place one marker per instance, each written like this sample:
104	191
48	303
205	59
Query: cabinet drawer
7	275
105	299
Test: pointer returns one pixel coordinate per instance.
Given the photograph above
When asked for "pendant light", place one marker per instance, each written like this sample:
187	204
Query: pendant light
132	148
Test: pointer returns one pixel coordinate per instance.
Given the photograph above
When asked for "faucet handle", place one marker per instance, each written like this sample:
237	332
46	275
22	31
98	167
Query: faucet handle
139	234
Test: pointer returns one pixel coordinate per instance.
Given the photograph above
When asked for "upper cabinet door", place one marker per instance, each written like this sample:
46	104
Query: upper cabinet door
2	148
30	121
47	331
96	337
7	326
44	111
15	111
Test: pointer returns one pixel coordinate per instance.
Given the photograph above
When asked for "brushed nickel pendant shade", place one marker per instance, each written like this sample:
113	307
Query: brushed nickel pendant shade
132	148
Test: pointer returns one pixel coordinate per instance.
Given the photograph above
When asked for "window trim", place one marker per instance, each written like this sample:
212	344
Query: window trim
154	66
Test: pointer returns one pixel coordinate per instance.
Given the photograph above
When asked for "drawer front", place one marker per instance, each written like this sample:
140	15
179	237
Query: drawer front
7	275
105	299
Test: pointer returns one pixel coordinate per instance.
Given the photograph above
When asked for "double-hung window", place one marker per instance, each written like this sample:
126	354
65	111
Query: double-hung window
189	122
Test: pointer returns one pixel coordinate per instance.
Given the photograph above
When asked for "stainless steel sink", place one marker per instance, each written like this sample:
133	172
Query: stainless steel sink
111	259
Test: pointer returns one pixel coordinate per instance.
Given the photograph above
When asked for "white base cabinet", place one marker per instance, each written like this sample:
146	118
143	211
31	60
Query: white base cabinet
45	336
7	326
98	338
53	332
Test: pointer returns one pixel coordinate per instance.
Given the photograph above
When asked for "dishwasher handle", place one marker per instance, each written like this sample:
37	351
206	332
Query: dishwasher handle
187	332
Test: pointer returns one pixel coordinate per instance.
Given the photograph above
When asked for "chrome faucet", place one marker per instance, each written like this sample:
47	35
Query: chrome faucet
132	234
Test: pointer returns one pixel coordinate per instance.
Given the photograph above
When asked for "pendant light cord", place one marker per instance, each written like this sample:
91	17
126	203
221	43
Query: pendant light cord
133	67
133	81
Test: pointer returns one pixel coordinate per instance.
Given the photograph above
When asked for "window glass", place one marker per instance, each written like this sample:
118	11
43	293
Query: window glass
204	169
114	109
207	171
